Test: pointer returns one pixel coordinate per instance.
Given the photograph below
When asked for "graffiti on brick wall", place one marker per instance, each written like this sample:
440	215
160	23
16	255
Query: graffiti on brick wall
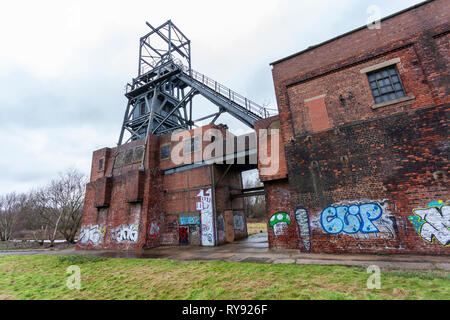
207	219
221	228
194	235
92	234
153	231
184	235
221	223
126	233
238	222
433	223
280	223
186	221
363	219
302	218
350	220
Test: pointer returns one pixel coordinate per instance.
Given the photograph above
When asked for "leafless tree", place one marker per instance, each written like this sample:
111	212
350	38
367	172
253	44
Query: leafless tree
60	205
33	220
11	206
255	206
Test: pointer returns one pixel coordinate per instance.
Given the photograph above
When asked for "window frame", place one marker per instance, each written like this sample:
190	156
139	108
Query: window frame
102	162
161	151
391	84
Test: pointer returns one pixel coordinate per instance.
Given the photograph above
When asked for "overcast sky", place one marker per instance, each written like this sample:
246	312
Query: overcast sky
64	66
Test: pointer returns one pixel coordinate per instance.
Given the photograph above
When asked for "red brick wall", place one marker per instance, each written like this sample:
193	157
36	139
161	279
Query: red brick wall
393	158
403	26
265	150
180	197
129	208
398	162
279	199
419	37
120	208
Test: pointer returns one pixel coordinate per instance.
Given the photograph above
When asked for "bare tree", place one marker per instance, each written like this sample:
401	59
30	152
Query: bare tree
11	206
33	220
255	207
60	205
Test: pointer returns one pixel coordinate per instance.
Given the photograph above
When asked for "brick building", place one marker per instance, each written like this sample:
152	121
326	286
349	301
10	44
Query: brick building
363	121
188	203
361	164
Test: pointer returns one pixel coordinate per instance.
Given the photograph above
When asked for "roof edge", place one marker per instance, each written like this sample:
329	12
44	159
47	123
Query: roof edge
349	32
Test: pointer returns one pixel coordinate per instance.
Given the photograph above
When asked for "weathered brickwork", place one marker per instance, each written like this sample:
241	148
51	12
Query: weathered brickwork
374	160
363	177
128	207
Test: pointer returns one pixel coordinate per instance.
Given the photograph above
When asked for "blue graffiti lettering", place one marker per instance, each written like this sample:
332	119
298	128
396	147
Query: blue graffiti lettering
184	221
351	220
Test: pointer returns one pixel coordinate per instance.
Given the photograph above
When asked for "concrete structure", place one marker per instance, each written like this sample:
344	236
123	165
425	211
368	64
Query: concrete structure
364	124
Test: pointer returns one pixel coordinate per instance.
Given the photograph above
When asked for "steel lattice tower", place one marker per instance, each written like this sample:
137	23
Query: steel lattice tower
160	98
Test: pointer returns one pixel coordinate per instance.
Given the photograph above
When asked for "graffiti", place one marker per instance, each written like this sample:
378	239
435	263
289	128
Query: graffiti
207	219
126	233
184	235
302	217
154	231
221	223
221	234
194	235
351	219
92	234
364	219
433	222
172	226
185	221
280	223
238	222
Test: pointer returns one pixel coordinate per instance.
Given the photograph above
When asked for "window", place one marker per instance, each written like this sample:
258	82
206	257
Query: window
386	84
165	152
100	164
128	159
119	160
138	154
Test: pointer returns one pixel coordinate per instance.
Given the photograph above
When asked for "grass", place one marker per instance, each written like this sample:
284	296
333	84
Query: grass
254	228
44	277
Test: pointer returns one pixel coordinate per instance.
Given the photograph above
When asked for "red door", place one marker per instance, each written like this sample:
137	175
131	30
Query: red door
184	236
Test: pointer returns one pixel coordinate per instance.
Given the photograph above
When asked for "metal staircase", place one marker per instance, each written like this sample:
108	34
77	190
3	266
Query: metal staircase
226	99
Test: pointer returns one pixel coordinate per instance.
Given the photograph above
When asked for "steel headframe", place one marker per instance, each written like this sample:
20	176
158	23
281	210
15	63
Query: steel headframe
161	45
160	98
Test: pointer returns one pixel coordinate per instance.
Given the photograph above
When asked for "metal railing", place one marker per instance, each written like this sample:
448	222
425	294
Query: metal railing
228	93
219	89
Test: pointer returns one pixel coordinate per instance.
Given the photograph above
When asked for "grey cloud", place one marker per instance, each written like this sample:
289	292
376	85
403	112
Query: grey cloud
82	109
